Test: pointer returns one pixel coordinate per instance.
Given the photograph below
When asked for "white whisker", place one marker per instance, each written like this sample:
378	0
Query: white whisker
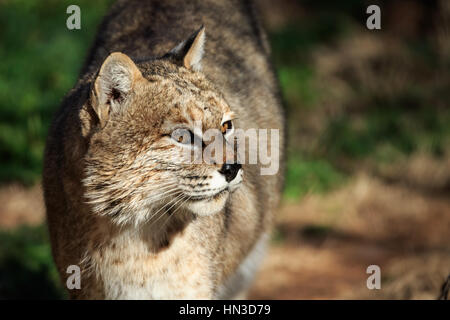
180	198
174	211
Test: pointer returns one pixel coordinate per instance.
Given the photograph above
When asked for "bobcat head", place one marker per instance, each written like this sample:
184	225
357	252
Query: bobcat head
150	115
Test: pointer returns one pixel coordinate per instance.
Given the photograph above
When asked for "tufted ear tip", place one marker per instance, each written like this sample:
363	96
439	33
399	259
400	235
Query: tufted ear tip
189	52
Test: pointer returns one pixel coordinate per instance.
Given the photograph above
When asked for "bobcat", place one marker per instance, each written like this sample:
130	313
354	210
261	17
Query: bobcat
122	204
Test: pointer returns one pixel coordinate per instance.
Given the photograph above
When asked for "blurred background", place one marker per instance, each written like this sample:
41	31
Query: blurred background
368	178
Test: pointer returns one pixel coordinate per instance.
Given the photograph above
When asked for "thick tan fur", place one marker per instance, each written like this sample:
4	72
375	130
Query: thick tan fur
114	180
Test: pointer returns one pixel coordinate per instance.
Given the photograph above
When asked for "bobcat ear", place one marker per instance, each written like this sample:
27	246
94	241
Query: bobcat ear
189	52
114	83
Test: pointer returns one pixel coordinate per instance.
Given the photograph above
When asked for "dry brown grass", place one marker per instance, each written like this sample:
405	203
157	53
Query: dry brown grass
367	222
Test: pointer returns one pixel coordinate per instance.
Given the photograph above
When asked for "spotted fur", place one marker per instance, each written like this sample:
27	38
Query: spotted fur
122	202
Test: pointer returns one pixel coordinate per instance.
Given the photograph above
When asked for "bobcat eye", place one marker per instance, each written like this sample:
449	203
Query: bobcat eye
227	125
183	136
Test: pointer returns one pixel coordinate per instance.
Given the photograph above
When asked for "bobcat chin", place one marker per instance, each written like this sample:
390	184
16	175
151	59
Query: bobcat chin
125	200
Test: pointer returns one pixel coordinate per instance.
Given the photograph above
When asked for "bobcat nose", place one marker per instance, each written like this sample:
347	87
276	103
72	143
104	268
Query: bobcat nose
230	170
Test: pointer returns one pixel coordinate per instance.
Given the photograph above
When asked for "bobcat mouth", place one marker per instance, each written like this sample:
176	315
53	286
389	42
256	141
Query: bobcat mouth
210	197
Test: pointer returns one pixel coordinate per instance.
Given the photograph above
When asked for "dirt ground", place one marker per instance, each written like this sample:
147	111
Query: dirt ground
323	244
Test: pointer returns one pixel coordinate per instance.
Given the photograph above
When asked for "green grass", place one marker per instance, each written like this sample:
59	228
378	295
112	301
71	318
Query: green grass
375	125
305	176
297	83
39	62
26	266
293	43
384	134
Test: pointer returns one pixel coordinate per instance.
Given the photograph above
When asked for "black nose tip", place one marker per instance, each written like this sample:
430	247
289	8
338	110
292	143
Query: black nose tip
230	170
